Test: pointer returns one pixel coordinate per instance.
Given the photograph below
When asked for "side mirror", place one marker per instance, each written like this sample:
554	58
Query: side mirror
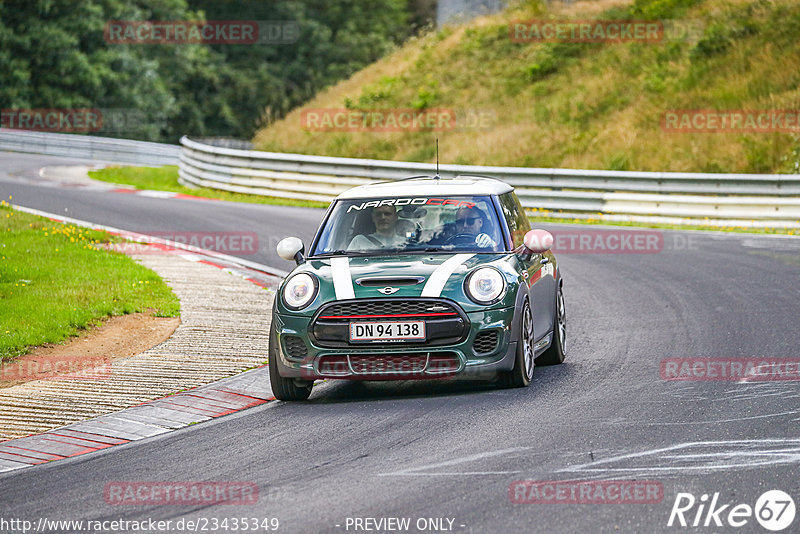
538	241
291	248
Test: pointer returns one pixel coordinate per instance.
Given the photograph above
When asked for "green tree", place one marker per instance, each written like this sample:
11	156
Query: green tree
53	54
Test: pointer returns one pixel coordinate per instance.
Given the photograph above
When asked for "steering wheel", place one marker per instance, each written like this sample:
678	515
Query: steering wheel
453	238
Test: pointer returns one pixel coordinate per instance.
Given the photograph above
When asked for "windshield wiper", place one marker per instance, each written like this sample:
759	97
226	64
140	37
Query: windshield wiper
333	253
342	252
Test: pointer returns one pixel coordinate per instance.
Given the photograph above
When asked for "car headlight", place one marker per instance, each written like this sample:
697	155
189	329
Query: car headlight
299	291
485	285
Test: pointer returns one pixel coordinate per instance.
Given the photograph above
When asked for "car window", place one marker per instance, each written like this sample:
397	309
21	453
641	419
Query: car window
460	223
514	213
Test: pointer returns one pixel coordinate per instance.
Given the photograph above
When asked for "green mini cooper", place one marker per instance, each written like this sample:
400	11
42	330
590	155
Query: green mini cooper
418	279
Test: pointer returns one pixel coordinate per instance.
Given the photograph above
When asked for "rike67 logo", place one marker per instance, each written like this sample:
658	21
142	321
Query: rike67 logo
774	510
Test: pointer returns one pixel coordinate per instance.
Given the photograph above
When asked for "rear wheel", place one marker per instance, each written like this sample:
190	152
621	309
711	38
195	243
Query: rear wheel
522	374
557	351
285	389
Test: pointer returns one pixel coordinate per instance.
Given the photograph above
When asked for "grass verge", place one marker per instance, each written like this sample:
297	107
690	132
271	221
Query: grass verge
55	281
166	179
577	105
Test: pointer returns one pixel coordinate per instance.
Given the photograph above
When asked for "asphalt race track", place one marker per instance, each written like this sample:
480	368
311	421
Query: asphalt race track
20	178
451	449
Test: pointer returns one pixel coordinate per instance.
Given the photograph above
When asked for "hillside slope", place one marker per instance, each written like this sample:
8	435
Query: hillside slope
580	105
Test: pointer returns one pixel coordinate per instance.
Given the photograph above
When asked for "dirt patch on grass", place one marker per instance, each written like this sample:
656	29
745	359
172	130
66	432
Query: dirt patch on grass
90	355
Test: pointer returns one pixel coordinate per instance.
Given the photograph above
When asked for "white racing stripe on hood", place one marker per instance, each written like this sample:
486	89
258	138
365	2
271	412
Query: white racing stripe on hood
438	278
342	280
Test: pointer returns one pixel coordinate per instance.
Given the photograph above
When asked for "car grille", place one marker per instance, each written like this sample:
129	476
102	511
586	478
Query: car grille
398	365
388	308
485	342
295	347
374	365
445	322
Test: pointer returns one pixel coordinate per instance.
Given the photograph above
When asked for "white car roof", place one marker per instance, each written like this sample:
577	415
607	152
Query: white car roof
426	185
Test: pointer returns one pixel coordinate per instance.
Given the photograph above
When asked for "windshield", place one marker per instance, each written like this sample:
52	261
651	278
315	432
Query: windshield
378	225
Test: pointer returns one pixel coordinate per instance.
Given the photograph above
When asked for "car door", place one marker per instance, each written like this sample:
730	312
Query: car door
540	269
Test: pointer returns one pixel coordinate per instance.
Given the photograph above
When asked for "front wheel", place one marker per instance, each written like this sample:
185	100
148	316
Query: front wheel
555	354
285	389
522	374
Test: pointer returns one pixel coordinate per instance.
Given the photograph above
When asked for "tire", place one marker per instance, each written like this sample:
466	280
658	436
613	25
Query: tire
285	389
522	374
556	352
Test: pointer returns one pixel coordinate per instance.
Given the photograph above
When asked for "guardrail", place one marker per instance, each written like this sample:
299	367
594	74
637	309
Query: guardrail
688	198
104	149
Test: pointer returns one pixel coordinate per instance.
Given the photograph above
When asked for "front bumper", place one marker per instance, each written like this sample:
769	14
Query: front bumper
467	357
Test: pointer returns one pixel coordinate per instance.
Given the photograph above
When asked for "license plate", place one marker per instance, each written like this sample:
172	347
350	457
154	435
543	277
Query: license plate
387	331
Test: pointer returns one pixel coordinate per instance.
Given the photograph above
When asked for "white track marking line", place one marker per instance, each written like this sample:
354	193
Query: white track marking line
793	412
764	457
414	471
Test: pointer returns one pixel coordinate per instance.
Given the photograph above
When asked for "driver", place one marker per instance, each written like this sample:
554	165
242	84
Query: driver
385	235
470	222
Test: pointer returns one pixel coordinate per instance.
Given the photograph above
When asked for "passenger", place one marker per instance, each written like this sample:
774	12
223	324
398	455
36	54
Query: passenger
385	235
